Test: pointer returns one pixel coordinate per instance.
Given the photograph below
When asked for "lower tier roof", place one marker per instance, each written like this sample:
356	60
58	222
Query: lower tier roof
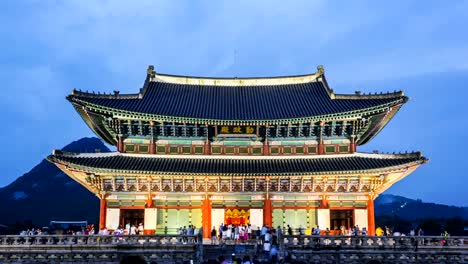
116	162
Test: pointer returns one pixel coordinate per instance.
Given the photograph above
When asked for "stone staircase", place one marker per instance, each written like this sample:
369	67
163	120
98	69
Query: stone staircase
212	252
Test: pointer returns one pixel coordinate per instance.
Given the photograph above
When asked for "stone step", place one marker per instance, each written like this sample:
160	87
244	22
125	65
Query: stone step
230	251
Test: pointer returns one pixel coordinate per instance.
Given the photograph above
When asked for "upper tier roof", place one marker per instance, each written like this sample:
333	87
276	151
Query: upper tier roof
228	165
240	99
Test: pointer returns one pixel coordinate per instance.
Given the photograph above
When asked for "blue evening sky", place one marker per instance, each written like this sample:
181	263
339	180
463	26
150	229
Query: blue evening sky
47	48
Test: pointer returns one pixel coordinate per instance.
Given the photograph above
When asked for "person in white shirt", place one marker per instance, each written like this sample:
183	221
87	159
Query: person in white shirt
127	228
140	229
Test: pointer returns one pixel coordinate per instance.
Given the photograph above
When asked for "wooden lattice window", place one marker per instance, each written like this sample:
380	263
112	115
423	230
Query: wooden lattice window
312	150
299	150
229	150
161	149
174	150
198	150
257	151
330	149
243	151
143	148
343	149
274	150
129	148
216	150
186	150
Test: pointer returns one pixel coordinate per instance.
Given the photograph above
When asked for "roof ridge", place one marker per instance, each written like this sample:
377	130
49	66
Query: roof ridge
115	95
152	76
58	152
359	95
413	154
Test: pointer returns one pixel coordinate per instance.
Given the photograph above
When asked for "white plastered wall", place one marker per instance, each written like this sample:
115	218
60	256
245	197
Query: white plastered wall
217	217
256	218
150	218
112	218
323	218
360	218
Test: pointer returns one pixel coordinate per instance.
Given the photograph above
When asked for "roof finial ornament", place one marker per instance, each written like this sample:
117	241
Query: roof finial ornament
150	71
320	70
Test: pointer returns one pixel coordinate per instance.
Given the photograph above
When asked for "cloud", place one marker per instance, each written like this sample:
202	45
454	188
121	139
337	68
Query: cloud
53	46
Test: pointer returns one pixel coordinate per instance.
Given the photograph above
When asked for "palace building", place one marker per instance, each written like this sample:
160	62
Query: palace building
204	151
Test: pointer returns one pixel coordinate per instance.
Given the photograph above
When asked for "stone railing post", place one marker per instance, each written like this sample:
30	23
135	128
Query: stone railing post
200	248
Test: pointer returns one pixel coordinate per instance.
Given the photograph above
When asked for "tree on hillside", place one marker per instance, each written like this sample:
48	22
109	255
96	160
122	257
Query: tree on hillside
431	227
454	226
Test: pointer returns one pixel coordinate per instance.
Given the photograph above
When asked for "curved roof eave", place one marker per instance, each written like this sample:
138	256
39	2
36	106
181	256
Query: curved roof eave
150	116
413	160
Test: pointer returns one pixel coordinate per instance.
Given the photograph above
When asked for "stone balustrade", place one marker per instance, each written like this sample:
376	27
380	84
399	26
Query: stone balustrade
99	248
182	248
373	242
80	240
364	249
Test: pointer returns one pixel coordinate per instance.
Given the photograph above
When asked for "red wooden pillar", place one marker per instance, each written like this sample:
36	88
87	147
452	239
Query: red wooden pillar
370	217
321	149
324	203
206	217
267	212
266	149
149	201
352	146
120	144
152	149
102	213
207	147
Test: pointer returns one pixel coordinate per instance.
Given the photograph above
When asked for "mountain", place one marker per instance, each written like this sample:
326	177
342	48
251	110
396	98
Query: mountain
410	210
46	193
